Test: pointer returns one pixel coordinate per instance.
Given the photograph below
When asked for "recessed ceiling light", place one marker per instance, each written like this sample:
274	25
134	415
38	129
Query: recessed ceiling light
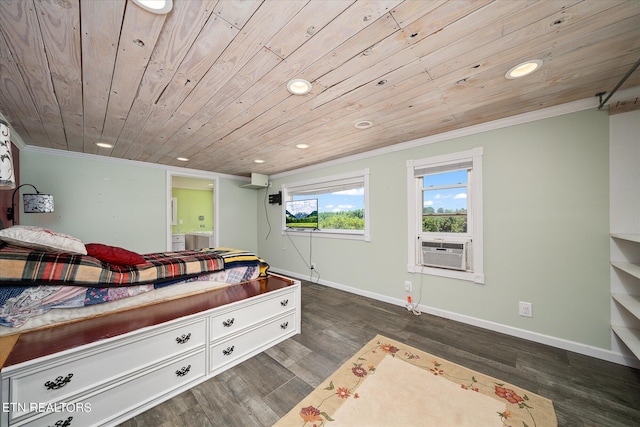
524	69
156	6
363	124
258	161
104	145
299	87
182	159
302	146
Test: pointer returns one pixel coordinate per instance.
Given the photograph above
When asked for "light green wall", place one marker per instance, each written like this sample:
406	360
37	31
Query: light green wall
192	204
99	202
238	222
546	209
546	221
125	203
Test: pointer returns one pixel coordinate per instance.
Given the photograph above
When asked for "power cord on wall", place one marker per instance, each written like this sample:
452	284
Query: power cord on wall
310	265
266	215
413	307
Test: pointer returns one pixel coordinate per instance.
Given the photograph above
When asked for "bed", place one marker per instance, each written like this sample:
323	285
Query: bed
105	333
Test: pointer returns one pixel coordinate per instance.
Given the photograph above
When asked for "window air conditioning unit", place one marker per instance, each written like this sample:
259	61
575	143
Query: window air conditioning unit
443	254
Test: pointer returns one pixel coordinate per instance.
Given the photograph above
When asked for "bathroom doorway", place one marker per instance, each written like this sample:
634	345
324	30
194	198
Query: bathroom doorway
192	212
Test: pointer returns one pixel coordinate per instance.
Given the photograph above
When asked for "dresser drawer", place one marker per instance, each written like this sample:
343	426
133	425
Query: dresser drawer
229	350
59	378
226	323
111	402
177	238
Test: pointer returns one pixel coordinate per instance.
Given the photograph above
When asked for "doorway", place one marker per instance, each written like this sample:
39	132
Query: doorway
192	212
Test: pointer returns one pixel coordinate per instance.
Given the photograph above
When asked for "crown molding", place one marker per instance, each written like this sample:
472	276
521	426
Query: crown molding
545	113
136	163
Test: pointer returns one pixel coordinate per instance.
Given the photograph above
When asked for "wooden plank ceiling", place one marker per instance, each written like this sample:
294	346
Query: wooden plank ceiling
208	80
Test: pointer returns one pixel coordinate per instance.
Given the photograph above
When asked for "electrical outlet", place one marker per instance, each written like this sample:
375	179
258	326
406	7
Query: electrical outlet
525	309
408	286
313	265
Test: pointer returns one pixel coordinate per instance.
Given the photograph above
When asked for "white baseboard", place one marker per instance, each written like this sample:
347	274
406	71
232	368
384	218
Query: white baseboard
587	350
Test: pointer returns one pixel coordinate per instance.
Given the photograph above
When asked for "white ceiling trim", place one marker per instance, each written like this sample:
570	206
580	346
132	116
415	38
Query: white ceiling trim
558	110
137	163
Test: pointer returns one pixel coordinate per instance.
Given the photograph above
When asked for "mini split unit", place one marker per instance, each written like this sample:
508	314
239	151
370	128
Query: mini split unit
257	181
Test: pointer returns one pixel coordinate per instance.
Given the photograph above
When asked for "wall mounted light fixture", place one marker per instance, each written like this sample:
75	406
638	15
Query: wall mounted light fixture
7	175
33	203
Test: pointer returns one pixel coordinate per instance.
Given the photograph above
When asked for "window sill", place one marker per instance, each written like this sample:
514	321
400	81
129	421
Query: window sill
346	234
443	272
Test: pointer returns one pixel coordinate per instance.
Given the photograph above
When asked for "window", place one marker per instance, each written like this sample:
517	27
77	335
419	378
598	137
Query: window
342	204
444	200
445	215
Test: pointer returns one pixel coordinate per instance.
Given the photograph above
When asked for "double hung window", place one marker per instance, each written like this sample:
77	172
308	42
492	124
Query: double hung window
445	215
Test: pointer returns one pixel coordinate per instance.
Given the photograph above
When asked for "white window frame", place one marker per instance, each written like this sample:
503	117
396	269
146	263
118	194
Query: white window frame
474	215
323	183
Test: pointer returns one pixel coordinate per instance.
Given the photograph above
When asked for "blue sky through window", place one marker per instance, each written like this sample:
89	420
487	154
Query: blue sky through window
450	199
340	201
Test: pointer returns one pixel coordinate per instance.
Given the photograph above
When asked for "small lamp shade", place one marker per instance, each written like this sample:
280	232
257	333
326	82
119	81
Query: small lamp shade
38	203
7	176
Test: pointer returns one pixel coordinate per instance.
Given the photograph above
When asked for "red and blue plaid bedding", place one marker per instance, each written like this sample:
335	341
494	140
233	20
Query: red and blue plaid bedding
33	282
26	267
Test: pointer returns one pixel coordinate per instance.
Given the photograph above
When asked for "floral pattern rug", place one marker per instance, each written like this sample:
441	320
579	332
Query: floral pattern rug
388	383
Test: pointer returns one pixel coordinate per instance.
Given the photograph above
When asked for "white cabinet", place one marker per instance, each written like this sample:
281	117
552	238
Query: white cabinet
178	242
106	382
624	170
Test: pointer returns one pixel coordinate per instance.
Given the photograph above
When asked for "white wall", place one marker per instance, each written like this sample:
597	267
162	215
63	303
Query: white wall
546	227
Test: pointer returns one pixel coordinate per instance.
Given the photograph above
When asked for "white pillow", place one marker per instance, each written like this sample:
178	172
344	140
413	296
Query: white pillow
42	239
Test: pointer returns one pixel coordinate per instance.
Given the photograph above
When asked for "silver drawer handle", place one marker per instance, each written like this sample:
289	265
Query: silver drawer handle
228	350
59	382
183	371
184	338
284	302
284	325
227	323
63	423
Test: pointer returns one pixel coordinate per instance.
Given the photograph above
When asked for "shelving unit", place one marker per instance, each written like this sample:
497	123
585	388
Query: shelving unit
624	158
628	334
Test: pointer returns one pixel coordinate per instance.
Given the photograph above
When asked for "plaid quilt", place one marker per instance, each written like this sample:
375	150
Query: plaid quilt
26	267
33	282
238	258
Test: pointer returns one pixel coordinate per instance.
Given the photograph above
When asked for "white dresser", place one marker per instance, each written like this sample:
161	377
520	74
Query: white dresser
105	382
178	242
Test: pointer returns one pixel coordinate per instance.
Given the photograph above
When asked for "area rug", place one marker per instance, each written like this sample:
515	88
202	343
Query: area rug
388	383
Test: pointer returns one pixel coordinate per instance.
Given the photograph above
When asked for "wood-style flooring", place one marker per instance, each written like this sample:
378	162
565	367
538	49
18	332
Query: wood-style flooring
335	324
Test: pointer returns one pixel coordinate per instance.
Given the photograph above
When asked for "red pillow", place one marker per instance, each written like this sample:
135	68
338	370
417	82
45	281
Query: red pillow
113	254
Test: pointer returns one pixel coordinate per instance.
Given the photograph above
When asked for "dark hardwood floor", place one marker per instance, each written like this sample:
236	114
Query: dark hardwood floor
335	324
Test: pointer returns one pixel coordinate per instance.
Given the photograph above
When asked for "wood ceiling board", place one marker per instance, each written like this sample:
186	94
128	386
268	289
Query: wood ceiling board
209	44
139	34
100	25
61	37
20	27
573	23
213	87
239	52
24	117
256	68
173	45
